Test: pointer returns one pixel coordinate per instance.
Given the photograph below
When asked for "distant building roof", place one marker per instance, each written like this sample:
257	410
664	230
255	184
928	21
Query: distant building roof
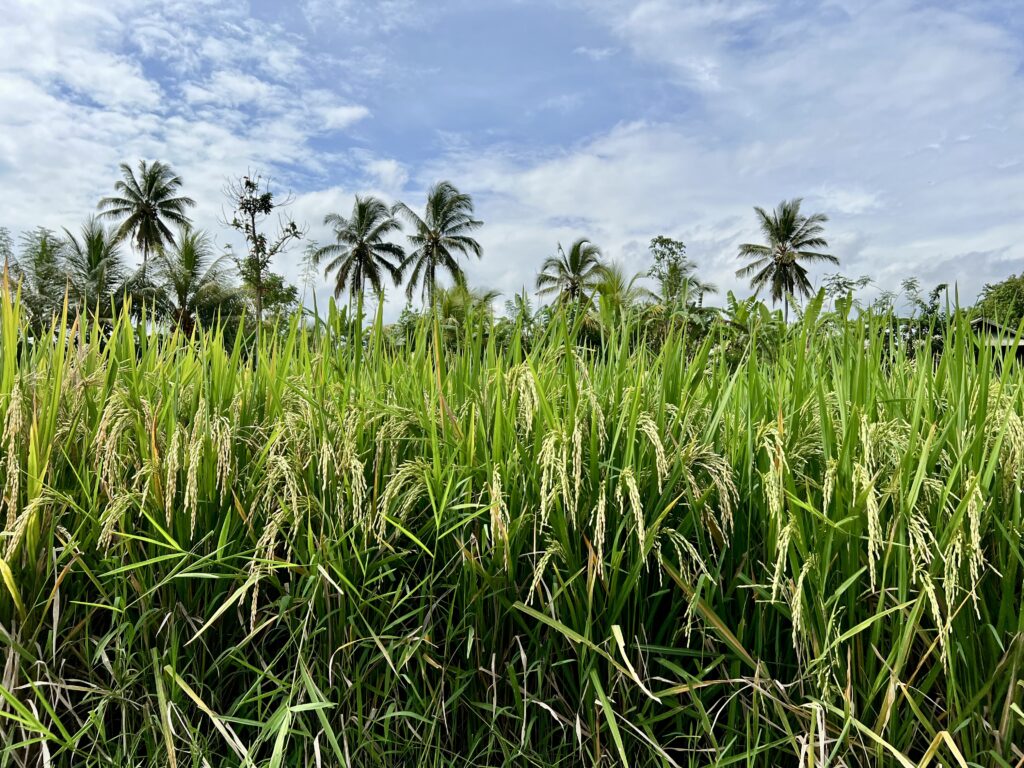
996	335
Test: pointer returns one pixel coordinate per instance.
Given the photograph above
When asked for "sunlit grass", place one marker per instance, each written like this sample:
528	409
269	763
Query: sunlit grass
324	552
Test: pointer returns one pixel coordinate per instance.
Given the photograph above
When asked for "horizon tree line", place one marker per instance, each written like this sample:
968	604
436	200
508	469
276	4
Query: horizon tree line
182	278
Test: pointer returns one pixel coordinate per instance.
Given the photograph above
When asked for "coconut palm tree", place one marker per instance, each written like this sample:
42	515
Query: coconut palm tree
695	289
690	290
458	303
145	205
520	321
361	253
575	275
194	282
440	235
6	246
618	294
519	311
39	271
791	238
97	276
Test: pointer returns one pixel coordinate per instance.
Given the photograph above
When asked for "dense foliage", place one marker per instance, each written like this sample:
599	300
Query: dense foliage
765	546
1003	302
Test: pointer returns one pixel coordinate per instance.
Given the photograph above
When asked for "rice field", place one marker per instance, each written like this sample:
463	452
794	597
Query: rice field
332	549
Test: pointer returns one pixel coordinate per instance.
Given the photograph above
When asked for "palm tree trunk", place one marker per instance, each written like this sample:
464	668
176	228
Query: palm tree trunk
185	323
430	286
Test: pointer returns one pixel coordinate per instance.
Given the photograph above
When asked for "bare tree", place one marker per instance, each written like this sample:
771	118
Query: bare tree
252	206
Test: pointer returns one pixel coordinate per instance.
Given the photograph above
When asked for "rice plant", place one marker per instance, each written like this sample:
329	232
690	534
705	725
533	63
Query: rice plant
332	549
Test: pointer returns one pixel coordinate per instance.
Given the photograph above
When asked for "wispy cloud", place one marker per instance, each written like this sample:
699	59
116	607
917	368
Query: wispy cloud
367	17
850	200
564	103
337	118
233	89
595	54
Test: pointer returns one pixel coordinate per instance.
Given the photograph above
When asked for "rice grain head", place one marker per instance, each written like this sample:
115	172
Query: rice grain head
521	382
627	487
403	489
172	461
13	423
976	552
499	512
551	550
796	605
599	521
646	425
782	556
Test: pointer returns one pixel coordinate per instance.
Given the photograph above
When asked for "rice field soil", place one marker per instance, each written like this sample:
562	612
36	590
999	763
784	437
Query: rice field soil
329	549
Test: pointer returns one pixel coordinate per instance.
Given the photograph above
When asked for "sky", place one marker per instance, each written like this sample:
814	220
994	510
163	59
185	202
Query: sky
618	121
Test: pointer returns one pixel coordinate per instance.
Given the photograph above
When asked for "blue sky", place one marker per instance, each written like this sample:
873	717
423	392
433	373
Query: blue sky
616	120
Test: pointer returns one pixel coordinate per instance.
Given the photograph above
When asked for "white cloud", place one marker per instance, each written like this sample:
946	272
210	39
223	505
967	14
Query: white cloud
40	41
336	118
234	89
595	54
851	201
388	174
693	37
366	17
564	103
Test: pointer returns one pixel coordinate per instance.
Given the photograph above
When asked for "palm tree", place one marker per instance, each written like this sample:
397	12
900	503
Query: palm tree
460	308
145	205
96	273
618	294
39	270
195	282
457	304
574	275
519	310
520	322
442	233
6	247
694	285
791	238
747	319
690	290
361	253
